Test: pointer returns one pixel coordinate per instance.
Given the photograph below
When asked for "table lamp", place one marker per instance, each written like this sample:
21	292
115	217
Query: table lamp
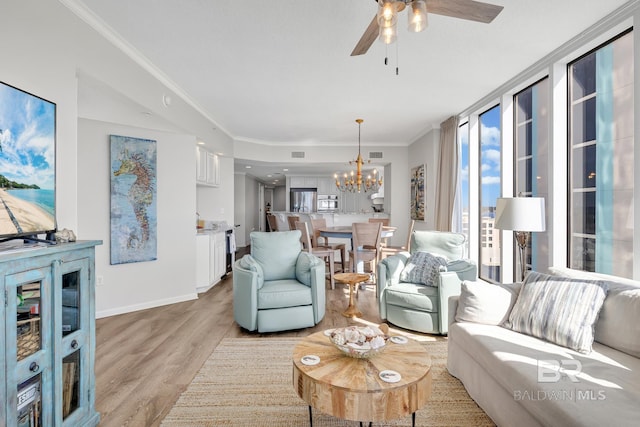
522	215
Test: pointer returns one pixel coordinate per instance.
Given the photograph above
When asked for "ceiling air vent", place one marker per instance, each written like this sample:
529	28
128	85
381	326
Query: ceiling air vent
297	154
375	154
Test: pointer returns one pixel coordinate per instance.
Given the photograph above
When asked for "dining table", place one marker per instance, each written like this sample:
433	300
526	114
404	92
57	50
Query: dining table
346	232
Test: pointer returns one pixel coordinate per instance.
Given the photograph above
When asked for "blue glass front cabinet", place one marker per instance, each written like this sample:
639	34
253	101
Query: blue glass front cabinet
48	351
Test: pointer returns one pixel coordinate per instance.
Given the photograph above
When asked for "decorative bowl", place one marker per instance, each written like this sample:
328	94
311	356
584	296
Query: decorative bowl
360	342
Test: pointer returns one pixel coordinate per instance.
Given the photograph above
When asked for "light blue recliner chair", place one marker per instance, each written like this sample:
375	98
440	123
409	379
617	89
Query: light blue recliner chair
417	306
278	287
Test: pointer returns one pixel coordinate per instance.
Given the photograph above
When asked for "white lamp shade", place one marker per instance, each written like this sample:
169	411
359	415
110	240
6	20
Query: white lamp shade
520	214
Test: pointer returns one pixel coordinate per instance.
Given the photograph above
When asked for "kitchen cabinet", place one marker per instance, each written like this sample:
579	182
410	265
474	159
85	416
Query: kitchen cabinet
202	260
296	182
207	168
303	182
48	340
211	255
327	186
217	257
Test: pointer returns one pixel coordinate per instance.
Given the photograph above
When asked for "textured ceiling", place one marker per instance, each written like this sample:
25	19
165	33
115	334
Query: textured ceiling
281	72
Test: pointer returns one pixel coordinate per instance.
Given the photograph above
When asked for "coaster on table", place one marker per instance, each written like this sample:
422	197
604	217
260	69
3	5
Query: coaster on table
310	360
399	339
390	376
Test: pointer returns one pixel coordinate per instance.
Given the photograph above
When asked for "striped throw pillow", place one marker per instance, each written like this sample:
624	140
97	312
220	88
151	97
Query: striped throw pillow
558	309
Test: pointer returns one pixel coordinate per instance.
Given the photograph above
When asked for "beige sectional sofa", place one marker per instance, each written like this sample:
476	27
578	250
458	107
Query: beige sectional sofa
521	380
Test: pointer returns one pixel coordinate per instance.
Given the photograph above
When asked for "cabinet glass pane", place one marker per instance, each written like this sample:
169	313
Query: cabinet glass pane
70	383
29	408
29	338
70	302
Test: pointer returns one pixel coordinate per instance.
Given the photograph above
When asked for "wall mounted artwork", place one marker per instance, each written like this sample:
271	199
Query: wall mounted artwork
133	200
417	193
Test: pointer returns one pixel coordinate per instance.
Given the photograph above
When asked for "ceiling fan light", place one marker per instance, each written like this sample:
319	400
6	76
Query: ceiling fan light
388	35
387	13
417	16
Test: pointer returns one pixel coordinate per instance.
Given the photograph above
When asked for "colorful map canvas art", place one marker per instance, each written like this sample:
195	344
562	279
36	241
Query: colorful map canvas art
417	193
133	200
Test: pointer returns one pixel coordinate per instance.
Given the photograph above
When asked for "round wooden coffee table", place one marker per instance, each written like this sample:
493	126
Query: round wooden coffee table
351	279
352	389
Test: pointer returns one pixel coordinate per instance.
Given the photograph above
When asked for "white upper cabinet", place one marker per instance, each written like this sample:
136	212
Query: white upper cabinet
207	168
296	182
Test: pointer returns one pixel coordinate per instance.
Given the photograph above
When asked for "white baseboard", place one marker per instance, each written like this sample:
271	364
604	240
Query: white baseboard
145	305
202	289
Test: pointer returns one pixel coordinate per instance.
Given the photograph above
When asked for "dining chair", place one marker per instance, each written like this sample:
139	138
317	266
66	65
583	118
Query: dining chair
366	245
319	241
385	223
324	253
393	250
292	221
273	222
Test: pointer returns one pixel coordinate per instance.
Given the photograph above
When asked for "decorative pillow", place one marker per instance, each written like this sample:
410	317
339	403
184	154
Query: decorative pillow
423	268
558	309
482	302
617	324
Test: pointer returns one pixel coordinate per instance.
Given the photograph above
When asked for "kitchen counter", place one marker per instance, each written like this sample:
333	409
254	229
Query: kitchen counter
333	219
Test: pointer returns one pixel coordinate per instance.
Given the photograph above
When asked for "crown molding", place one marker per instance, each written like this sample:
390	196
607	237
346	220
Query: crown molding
111	35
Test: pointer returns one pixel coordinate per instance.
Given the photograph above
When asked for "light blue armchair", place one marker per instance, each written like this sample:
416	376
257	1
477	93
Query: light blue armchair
417	306
278	287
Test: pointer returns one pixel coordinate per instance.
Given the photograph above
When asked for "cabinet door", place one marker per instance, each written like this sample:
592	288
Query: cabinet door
201	165
202	260
323	186
311	182
296	182
74	347
212	259
213	169
221	255
29	373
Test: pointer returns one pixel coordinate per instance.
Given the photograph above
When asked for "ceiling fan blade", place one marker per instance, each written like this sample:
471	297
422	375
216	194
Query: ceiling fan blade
465	9
367	39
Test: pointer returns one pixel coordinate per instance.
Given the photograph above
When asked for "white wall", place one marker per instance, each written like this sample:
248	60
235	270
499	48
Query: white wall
99	90
129	287
426	150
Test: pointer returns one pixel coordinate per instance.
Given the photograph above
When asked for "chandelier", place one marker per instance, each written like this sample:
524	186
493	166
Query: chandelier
353	182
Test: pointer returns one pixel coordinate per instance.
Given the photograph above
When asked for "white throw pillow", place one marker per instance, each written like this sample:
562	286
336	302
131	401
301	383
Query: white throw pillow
482	302
558	309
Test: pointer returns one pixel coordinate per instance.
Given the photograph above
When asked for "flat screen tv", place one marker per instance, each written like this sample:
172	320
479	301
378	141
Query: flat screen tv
27	165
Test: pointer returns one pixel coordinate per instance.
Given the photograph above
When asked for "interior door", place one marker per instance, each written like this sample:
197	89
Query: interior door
262	222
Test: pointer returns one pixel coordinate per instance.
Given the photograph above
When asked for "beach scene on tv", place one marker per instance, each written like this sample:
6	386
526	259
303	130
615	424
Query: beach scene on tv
27	163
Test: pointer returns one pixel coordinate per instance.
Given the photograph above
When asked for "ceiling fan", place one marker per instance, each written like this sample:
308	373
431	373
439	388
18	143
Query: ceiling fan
386	17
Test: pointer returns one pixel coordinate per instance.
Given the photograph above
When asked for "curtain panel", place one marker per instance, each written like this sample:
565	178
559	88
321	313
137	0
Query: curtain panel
447	174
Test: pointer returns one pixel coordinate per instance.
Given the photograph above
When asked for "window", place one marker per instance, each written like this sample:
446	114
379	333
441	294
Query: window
463	195
490	153
601	152
531	130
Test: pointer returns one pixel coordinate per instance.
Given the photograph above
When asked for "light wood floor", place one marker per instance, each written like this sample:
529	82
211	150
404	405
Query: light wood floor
146	359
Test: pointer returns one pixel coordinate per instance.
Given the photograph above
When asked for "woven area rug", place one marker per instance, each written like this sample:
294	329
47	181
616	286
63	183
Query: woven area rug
247	382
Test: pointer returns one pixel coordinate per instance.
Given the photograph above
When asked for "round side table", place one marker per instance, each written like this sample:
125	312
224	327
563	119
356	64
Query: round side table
351	279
